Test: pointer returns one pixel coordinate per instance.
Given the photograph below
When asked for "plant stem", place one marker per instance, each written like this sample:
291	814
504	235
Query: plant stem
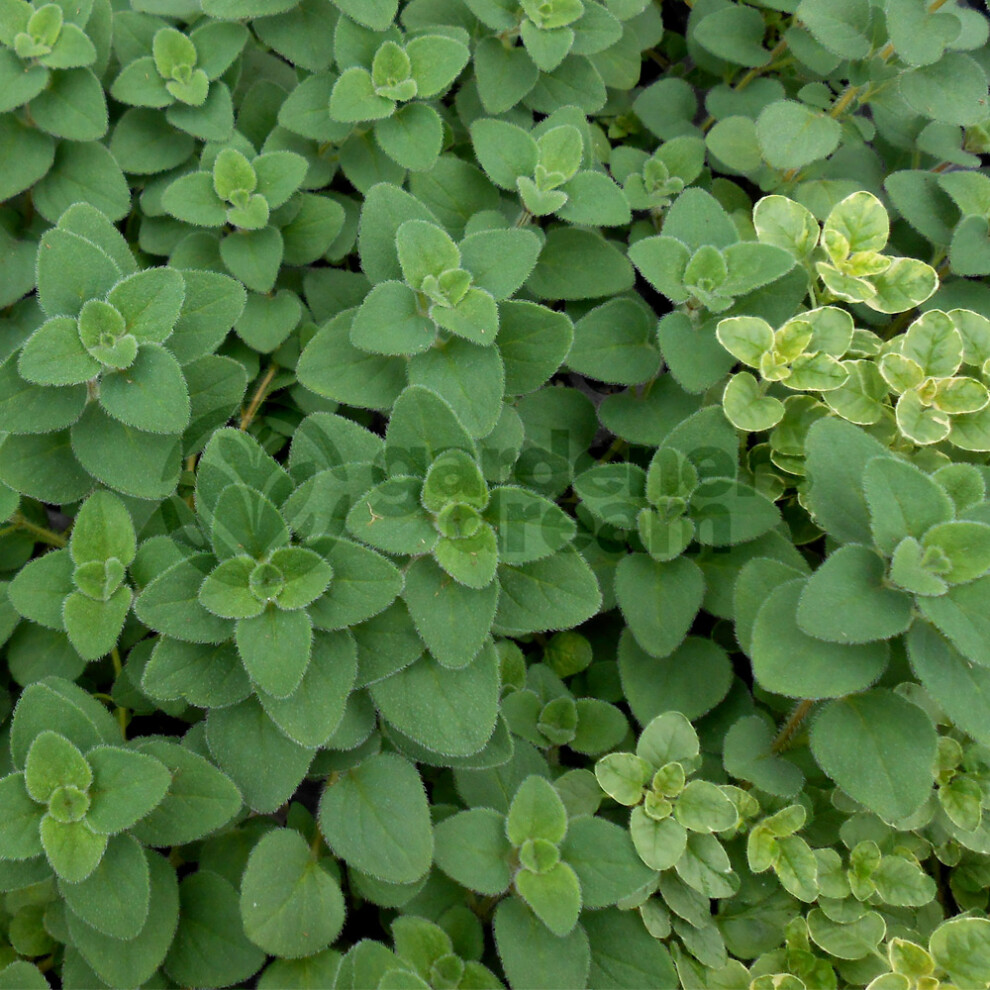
44	535
618	445
259	396
790	727
844	100
121	713
758	71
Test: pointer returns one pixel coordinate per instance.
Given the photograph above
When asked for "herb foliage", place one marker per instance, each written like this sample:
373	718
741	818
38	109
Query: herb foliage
494	492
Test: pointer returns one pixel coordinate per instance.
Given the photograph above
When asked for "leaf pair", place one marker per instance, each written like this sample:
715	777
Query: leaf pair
553	864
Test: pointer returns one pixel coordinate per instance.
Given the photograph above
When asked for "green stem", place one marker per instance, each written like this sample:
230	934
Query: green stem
790	727
123	716
42	534
259	396
618	445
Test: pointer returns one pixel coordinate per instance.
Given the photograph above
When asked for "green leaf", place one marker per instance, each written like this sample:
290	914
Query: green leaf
390	322
93	626
557	592
305	576
447	711
555	896
902	883
115	898
376	818
531	957
19	829
264	764
960	616
140	85
436	61
210	945
879	748
726	512
364	584
72	270
19	85
847	601
658	600
354	98
424	249
82	719
472	848
253	256
227	591
132	962
958	686
963	545
837	455
536	812
192	199
748	755
662	262
605	861
245	522
199	799
693	679
170	605
374	14
40	588
962	946
792	135
903	501
528	526
72	106
149	395
73	849
412	136
54	355
275	648
734	34
579	264
145	465
453	620
212	304
385	209
504	75
828	669
279	175
469	558
391	517
614	342
422	425
594	200
468	377
332	366
842	28
126	787
53	762
504	150
22	975
614	493
953	90
27	154
623	953
500	261
290	904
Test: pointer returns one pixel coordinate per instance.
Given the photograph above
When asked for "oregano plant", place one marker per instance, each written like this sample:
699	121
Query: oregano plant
494	493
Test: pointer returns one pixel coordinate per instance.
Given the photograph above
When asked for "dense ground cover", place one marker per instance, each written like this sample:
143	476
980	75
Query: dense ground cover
494	493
